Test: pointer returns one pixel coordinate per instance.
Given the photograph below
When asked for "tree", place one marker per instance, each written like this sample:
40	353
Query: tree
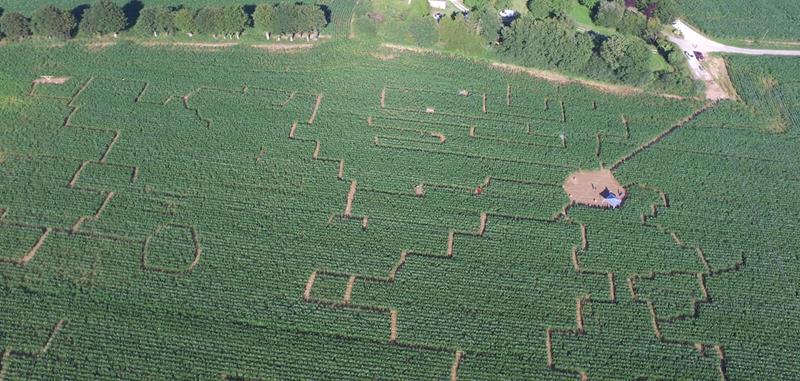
665	10
312	18
628	58
547	43
155	20
233	20
489	23
548	8
296	18
264	18
209	20
282	17
53	22
609	13
184	21
15	26
104	17
632	23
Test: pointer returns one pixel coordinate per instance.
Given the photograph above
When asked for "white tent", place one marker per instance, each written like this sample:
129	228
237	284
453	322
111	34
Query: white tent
613	202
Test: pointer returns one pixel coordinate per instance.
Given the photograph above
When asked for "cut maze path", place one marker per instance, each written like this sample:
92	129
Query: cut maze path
441	235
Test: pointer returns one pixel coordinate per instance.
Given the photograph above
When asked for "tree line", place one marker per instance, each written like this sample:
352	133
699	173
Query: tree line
104	17
544	35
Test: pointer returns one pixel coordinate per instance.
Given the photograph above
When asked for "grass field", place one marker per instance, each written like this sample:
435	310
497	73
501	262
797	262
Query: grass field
344	212
775	20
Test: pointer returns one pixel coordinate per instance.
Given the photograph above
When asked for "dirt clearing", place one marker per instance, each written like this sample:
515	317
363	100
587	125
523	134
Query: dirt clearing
585	187
720	86
50	80
195	45
99	46
561	79
283	48
403	48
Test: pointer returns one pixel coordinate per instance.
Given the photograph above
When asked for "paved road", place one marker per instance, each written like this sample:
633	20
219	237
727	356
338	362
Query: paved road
694	41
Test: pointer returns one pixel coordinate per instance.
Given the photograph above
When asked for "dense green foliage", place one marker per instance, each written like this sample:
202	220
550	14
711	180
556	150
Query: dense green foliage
50	21
198	148
184	21
548	42
155	20
627	58
103	17
295	18
228	20
15	25
554	43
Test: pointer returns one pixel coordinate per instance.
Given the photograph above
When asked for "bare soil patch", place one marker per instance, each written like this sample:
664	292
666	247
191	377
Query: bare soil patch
284	48
419	190
196	45
541	74
584	187
720	87
403	48
50	80
562	79
351	195
98	46
316	108
393	326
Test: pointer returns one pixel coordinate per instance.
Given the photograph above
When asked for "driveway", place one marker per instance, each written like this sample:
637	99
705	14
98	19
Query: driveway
698	42
712	70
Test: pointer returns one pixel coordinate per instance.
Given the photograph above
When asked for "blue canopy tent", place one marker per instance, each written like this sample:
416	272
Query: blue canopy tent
610	198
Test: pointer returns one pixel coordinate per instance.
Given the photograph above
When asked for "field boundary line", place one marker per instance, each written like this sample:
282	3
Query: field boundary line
32	251
633	280
655	140
456	365
39	353
74	179
96	216
315	109
198	250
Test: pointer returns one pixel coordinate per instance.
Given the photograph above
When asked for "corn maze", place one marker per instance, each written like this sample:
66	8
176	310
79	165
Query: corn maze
329	215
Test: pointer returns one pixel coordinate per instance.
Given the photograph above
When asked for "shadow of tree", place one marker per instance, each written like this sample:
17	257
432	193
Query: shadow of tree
132	10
